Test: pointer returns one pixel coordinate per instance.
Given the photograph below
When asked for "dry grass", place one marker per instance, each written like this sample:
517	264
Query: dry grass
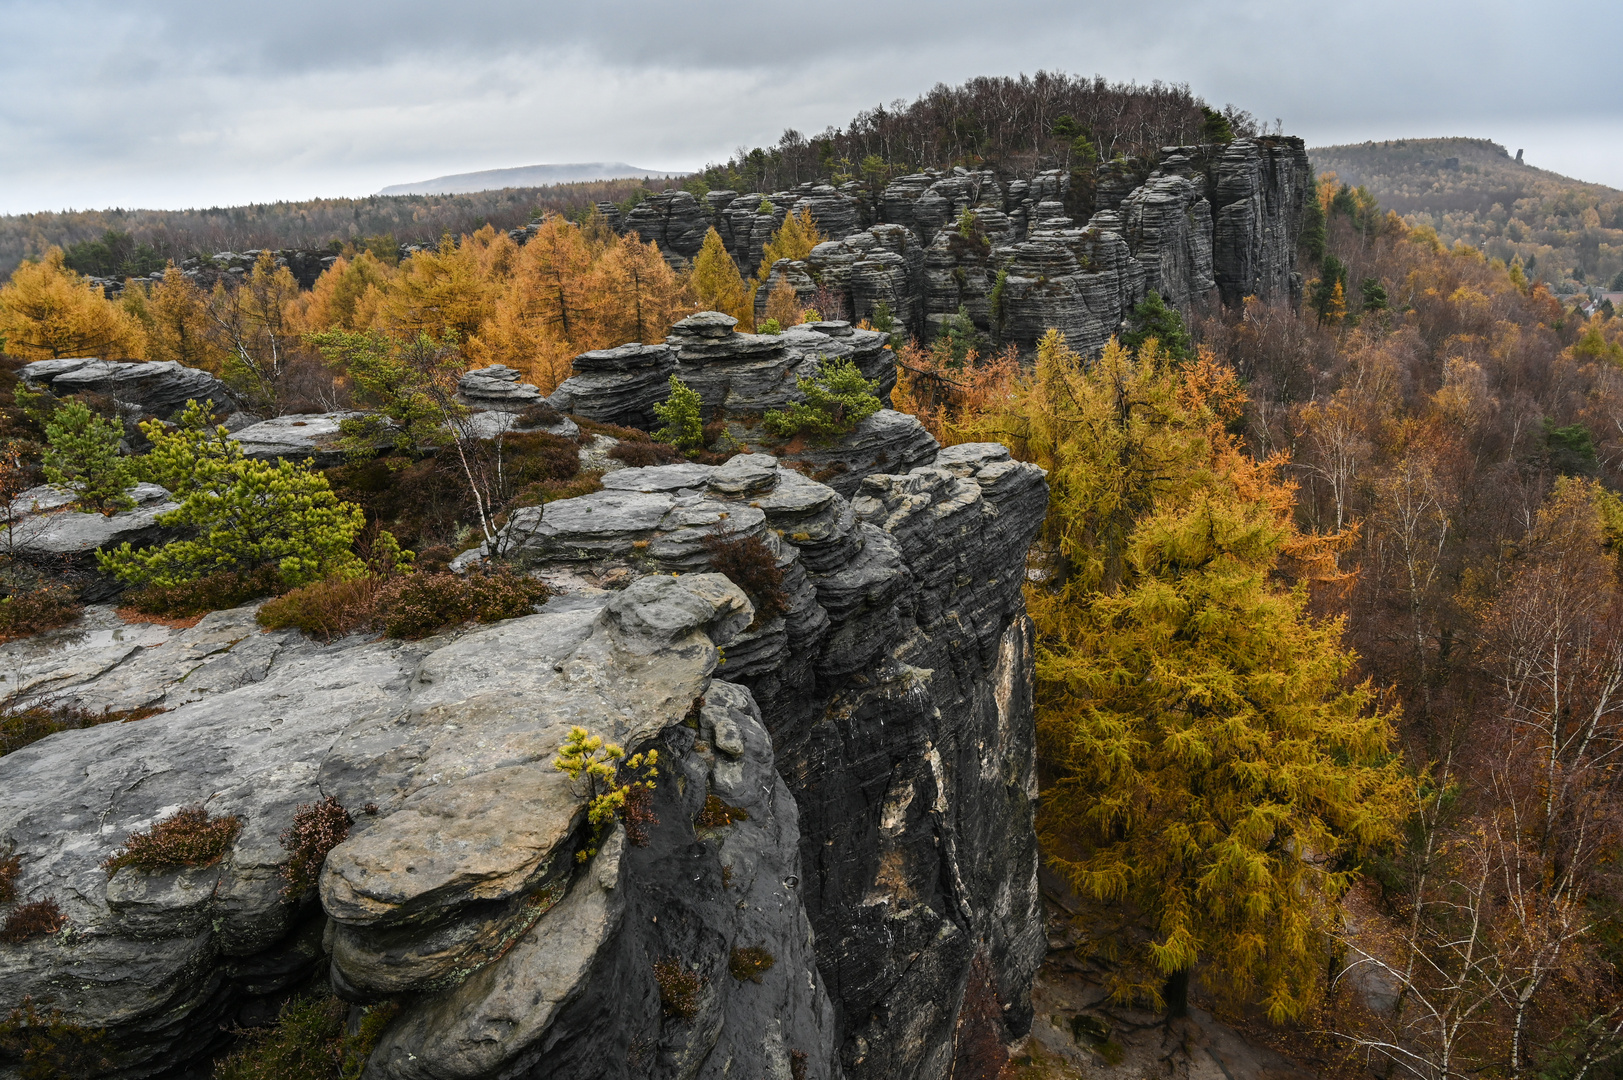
187	838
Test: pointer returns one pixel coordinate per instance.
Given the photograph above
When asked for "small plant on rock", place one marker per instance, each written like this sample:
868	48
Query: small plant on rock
22	726
33	611
679	989
838	398
32	920
9	869
613	778
83	457
750	963
417	605
678	414
189	837
716	814
46	1046
317	828
747	562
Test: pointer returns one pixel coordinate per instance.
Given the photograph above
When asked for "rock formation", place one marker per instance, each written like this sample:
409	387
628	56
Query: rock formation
1201	225
845	793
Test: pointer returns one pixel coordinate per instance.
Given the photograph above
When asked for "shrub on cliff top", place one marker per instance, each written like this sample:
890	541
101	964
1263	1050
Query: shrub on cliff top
317	828
838	398
748	563
244	514
36	610
189	837
21	726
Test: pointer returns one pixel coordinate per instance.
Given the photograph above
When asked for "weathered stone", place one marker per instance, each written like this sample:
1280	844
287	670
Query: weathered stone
156	388
60	542
496	387
298	437
672	219
887	440
1168	226
617	386
1260	187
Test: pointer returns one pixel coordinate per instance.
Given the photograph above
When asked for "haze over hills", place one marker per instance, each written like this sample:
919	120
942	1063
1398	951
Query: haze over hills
1567	232
522	176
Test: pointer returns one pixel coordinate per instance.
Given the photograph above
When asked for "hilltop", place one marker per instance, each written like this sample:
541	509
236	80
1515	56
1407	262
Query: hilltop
1565	231
524	176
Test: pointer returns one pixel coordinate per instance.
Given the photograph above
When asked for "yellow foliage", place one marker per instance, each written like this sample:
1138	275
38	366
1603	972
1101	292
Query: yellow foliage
794	240
441	291
718	286
640	296
783	304
178	326
345	297
48	311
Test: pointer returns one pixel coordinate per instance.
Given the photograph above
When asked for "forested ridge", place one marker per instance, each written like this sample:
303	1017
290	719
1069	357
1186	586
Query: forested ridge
1328	602
1562	231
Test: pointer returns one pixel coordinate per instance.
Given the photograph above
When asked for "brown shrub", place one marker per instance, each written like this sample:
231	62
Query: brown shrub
19	727
637	812
713	431
418	605
188	838
48	1047
588	428
9	869
750	963
32	920
749	563
317	828
216	592
797	1065
533	457
717	814
541	414
639	454
552	490
325	609
38	610
678	988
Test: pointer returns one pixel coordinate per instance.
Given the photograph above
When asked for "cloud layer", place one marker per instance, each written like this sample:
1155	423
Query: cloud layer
187	103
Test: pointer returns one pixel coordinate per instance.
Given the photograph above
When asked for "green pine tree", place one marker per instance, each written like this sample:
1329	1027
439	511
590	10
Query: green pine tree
682	424
83	456
838	398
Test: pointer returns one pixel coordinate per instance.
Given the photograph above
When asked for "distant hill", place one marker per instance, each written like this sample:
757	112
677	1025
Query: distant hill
523	176
311	223
1566	232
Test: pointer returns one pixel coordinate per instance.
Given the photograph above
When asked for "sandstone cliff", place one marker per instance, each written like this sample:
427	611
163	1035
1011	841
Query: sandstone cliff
1202	225
875	737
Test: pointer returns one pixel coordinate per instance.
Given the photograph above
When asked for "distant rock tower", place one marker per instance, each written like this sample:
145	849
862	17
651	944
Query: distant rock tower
1519	157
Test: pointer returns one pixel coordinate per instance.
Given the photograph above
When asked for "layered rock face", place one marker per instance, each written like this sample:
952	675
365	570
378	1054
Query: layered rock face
1201	225
870	745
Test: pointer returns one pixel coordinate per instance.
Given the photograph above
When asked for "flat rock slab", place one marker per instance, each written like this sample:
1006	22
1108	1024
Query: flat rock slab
297	437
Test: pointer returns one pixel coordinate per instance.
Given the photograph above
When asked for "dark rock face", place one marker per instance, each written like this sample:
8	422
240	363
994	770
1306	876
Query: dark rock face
1259	188
672	219
158	388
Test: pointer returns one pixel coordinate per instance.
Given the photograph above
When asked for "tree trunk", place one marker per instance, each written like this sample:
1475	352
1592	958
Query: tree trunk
1176	994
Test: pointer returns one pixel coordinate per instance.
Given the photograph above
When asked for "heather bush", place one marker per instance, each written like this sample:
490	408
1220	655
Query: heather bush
32	920
20	726
189	837
325	609
638	454
750	963
748	563
211	592
37	610
10	867
679	989
716	814
317	828
309	1041
418	605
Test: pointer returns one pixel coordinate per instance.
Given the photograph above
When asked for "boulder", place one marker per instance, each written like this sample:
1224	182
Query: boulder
497	387
155	388
53	537
298	437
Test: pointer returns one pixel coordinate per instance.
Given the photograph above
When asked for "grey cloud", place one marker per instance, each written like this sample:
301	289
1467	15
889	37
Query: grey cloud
168	102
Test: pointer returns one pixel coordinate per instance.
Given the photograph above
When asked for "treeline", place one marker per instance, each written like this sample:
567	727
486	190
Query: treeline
1017	125
314	223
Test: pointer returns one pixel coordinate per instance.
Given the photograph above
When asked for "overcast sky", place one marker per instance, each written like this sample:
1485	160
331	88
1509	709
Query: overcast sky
197	102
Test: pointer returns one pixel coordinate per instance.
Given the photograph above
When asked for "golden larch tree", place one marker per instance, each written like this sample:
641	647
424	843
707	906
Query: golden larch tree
48	311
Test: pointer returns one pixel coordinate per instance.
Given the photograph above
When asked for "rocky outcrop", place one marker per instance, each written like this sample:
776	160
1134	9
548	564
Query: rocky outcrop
497	387
672	219
869	747
1201	225
48	533
157	388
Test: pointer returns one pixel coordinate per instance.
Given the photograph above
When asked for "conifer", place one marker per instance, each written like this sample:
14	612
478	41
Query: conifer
717	284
